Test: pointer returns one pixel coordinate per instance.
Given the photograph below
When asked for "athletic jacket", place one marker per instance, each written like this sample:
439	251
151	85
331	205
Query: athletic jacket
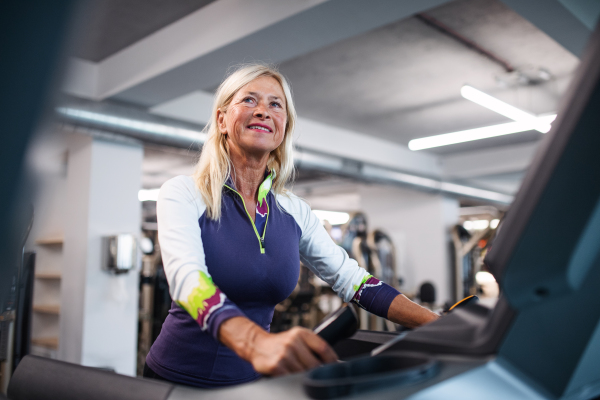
237	267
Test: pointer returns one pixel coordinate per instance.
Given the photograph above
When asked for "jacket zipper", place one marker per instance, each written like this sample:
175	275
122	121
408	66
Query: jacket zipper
261	239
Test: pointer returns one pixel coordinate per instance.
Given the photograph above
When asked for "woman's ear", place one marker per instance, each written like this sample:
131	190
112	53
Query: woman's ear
221	124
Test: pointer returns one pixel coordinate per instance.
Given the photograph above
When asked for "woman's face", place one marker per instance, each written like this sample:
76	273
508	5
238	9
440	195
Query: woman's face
255	120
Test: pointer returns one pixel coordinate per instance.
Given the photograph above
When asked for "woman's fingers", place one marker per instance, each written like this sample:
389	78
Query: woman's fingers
293	364
306	356
310	349
293	351
320	347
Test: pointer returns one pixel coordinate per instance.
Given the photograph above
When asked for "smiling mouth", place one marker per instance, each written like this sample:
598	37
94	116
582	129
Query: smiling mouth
260	128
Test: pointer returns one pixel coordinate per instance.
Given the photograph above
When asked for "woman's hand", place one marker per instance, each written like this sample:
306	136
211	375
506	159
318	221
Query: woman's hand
296	350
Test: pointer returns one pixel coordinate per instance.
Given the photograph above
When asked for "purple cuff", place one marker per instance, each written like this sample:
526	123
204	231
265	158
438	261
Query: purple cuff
228	310
375	297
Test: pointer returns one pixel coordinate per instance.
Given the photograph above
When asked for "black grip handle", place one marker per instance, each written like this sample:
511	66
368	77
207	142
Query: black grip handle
338	325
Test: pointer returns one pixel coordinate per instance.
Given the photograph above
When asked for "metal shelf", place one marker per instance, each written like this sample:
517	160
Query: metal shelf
47	342
47	309
50	241
48	275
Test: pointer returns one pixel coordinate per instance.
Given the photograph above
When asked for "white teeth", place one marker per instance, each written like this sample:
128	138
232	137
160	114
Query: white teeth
259	127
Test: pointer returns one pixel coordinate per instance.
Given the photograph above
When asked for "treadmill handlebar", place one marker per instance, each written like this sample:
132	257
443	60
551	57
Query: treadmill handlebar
339	325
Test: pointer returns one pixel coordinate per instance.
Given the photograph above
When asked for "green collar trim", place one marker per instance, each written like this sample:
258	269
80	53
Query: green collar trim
265	187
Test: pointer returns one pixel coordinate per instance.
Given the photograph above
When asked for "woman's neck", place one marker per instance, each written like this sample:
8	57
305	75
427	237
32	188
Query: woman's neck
247	174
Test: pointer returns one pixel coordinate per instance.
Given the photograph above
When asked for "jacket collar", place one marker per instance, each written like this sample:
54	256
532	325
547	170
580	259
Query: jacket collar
263	189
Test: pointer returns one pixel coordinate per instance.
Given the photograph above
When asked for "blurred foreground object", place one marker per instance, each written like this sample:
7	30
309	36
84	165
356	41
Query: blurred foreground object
32	37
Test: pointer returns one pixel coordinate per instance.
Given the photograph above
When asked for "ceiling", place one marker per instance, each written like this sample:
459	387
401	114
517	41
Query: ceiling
402	81
108	26
370	71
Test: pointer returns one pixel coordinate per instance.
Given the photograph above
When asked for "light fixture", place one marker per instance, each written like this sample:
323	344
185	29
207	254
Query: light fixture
483	277
502	108
524	121
494	223
148	194
333	217
477	225
478	133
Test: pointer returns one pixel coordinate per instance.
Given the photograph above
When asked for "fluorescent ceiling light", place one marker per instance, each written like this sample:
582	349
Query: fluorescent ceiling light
148	194
333	217
483	277
478	133
502	108
494	223
524	121
478	225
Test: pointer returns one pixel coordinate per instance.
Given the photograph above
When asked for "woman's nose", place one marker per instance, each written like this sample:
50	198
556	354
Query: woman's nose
261	112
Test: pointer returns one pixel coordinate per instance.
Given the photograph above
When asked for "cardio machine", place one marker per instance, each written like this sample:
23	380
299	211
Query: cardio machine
541	341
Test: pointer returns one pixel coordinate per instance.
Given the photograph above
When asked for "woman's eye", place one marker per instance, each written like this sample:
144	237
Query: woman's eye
248	100
276	104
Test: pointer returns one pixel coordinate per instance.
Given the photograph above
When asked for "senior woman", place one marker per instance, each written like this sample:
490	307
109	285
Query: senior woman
232	238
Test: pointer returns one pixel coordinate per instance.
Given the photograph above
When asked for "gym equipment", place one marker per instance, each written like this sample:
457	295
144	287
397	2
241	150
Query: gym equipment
466	254
375	252
43	378
427	293
464	302
22	340
16	312
338	325
301	308
541	341
366	374
383	253
29	30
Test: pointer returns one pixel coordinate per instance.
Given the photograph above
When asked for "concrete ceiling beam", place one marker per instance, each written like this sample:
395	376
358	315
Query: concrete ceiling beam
197	34
278	40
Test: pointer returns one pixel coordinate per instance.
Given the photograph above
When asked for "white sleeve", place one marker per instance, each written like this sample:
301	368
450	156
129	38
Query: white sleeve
178	210
319	252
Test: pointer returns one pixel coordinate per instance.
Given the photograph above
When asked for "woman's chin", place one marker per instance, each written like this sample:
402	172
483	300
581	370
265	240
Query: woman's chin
258	151
260	147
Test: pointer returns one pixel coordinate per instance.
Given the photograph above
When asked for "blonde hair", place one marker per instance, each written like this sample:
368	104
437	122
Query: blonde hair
214	166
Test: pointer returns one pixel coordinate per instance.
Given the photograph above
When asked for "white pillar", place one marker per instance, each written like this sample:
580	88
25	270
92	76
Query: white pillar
99	311
419	225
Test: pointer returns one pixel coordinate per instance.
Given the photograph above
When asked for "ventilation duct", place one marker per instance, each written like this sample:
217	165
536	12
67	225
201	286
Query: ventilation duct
102	118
